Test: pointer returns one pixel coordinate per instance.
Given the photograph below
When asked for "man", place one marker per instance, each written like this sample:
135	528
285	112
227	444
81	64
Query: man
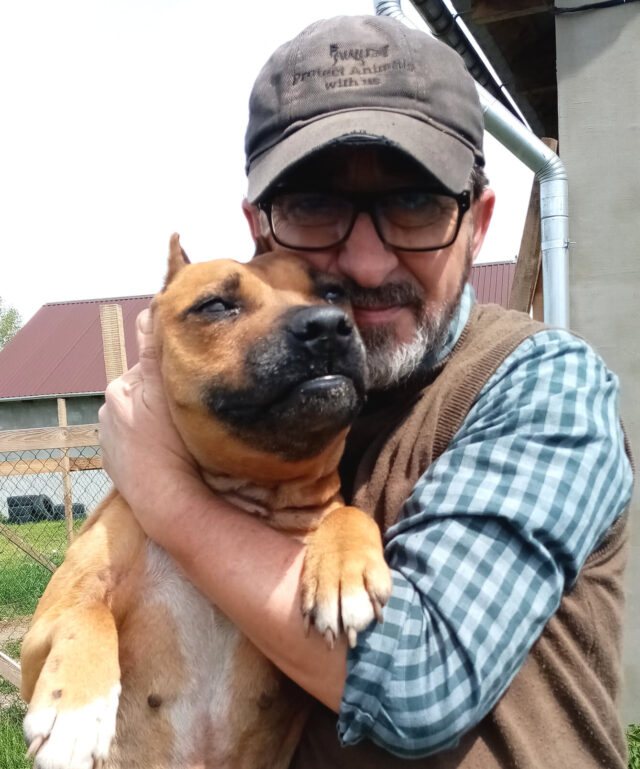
489	451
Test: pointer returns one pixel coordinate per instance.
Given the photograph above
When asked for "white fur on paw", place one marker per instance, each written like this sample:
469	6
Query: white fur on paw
357	610
73	739
326	617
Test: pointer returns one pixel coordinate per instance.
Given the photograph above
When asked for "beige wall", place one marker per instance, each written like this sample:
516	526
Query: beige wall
598	59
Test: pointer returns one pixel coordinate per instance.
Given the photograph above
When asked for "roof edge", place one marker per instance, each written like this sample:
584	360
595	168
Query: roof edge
49	396
99	300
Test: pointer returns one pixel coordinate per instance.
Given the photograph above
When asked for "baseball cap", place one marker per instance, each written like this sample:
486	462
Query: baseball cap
363	78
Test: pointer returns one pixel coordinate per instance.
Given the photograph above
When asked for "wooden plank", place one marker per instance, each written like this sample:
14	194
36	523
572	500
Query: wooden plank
40	466
113	344
528	264
49	438
66	474
492	11
10	669
537	305
17	540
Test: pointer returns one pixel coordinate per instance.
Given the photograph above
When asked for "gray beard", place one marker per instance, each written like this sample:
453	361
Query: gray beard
389	363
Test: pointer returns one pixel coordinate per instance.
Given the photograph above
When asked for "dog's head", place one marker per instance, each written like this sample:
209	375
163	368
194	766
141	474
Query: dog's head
263	367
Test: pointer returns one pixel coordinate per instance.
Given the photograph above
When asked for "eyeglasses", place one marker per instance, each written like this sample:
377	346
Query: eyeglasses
408	219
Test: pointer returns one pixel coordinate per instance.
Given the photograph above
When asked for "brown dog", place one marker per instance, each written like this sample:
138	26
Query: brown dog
126	664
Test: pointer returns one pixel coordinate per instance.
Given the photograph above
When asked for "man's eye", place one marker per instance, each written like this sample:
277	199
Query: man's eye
214	307
307	208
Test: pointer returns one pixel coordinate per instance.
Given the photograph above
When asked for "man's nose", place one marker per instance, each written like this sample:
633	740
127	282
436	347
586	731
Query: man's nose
363	257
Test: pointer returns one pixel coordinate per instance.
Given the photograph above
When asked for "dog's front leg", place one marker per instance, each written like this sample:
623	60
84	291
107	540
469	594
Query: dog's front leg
70	665
345	580
73	703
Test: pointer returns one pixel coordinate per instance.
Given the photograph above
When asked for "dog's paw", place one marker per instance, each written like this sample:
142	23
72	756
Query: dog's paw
345	580
77	738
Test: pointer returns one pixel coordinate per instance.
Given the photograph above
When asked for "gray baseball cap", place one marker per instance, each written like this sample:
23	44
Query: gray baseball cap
363	78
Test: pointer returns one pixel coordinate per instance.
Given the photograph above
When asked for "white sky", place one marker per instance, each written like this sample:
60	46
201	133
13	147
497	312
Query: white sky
123	121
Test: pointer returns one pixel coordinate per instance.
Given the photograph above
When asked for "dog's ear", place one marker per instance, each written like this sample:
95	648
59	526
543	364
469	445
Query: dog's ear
177	258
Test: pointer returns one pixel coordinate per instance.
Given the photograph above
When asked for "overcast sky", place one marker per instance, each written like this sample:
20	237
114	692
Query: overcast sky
123	121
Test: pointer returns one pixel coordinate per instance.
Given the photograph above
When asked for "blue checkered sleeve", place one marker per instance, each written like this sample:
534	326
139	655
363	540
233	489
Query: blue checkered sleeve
493	534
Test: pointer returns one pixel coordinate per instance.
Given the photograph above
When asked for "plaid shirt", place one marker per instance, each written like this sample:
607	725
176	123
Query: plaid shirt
494	532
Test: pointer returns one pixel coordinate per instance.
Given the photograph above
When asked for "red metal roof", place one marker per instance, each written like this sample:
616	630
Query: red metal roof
492	282
59	351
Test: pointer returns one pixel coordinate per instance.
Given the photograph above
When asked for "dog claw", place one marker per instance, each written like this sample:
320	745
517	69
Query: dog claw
377	609
352	637
330	638
35	746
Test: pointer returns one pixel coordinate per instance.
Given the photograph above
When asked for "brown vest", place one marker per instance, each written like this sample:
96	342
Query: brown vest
560	710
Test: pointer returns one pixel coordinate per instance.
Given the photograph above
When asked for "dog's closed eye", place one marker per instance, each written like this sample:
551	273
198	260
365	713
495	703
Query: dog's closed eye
214	308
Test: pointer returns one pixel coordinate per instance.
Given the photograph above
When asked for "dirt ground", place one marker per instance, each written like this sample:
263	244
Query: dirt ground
13	629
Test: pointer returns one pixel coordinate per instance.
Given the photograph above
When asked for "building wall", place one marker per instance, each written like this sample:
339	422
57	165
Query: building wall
43	412
598	60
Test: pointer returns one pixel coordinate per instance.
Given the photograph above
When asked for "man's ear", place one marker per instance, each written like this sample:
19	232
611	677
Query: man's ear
252	215
177	259
482	209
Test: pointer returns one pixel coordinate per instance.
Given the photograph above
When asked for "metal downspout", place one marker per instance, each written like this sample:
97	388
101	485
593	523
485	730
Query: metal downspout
554	189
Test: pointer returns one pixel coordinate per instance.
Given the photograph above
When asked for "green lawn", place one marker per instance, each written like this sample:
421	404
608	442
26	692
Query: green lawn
12	747
47	537
633	740
23	578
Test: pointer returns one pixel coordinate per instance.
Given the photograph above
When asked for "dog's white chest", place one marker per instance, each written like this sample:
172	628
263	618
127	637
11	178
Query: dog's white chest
196	665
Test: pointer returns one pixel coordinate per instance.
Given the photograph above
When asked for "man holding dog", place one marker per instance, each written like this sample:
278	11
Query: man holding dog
489	451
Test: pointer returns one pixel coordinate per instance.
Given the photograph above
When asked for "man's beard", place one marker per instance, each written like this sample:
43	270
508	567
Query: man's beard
389	362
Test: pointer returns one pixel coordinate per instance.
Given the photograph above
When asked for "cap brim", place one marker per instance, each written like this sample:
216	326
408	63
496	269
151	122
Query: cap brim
441	154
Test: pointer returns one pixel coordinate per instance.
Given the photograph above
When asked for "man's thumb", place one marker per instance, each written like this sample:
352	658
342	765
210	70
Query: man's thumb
147	353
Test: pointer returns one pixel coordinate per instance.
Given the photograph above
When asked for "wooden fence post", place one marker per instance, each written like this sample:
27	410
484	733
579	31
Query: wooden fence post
113	344
528	274
66	474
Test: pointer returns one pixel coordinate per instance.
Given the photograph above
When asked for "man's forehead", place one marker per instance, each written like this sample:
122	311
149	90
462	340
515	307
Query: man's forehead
358	166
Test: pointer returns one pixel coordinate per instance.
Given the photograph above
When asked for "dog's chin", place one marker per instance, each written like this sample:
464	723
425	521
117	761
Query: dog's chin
319	404
297	423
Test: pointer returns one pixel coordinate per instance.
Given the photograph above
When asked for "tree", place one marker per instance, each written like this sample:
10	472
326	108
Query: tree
10	323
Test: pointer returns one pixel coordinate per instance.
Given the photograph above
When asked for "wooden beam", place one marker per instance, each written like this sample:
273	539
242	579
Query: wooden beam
528	265
10	669
49	438
66	474
527	269
40	466
17	540
113	344
491	11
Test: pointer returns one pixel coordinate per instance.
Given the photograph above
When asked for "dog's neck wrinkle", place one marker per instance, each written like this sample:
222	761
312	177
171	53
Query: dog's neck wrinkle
287	504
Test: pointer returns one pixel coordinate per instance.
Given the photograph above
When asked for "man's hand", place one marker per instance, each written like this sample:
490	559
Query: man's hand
141	449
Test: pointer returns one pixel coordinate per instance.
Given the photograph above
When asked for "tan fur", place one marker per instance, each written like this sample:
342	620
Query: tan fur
195	693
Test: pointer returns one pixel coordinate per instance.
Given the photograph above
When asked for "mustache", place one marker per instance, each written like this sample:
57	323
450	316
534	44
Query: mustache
399	293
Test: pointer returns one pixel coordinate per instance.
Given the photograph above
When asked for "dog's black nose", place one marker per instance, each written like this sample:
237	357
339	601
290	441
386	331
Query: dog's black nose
321	329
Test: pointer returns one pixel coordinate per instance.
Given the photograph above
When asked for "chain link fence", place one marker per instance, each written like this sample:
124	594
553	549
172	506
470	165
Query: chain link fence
45	495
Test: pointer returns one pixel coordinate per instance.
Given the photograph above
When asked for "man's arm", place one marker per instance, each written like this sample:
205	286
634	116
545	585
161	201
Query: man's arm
248	570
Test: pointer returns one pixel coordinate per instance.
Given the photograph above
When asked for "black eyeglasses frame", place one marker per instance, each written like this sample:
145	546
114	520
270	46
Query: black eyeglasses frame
364	203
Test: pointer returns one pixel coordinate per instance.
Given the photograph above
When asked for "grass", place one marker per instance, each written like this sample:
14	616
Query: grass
23	579
633	741
21	587
47	537
12	747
